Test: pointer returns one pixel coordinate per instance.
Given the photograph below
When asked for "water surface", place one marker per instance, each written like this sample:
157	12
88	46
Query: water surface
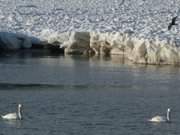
65	95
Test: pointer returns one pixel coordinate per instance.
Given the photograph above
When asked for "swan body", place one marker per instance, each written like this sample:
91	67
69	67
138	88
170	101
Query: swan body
14	116
161	118
158	119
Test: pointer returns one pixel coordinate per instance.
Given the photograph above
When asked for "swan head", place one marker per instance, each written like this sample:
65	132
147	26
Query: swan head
168	110
19	105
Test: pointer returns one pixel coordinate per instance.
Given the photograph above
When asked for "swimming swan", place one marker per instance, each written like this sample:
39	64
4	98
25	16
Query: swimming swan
14	116
162	118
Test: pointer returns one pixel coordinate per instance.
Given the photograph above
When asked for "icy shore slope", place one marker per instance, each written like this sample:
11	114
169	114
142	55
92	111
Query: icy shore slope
138	50
144	21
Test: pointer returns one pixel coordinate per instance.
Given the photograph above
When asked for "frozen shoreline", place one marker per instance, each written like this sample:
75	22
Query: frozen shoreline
137	50
138	29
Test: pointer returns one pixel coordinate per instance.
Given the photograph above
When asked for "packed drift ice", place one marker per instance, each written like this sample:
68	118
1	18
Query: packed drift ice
145	31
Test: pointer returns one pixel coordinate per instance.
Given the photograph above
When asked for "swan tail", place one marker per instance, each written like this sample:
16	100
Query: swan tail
150	120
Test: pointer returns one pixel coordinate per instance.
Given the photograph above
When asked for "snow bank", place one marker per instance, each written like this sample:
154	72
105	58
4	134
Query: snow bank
138	50
141	50
78	43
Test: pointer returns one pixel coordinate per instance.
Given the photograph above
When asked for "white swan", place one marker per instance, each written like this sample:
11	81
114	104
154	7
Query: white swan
14	116
162	118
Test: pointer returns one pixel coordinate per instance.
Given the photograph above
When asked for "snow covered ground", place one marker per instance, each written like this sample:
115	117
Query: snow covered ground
143	18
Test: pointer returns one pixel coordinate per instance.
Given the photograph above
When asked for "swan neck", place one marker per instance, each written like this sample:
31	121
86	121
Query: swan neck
168	115
19	113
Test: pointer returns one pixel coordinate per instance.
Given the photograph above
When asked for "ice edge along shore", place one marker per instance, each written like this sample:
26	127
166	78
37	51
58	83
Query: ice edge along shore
137	50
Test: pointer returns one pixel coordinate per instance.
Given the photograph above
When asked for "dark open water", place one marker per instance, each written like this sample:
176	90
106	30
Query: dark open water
87	96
